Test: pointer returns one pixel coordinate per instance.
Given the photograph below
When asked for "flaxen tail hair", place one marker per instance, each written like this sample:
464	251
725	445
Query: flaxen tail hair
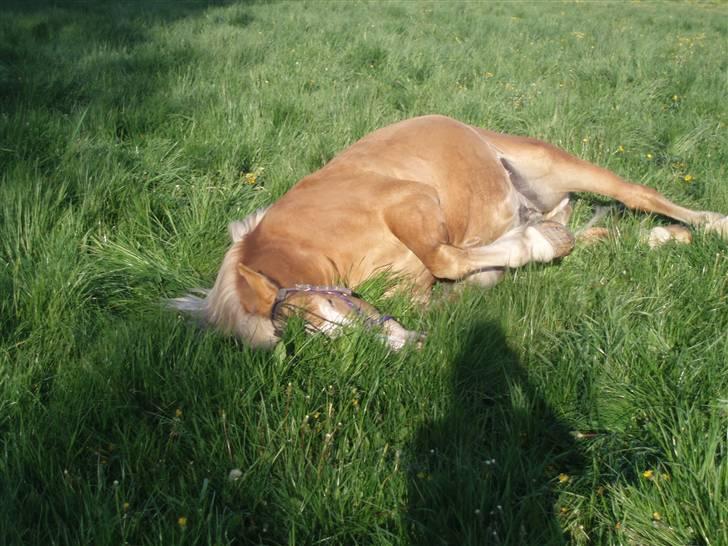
220	306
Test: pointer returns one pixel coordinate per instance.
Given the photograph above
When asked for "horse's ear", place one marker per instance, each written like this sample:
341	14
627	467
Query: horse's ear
261	291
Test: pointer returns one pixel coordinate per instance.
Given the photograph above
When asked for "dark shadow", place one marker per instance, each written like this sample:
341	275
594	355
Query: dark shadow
488	473
155	11
63	64
41	42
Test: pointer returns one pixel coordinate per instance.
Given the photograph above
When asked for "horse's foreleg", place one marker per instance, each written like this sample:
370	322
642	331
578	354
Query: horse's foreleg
541	242
420	225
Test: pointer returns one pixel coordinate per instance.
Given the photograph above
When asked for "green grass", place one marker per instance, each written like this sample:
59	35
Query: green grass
126	132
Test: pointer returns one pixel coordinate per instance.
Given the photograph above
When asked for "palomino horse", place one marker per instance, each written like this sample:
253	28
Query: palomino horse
428	198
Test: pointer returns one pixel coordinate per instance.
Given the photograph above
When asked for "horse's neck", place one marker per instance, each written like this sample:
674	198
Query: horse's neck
287	265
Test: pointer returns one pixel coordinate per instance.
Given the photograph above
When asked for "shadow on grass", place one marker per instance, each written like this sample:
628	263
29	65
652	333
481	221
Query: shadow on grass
489	471
105	455
62	54
123	68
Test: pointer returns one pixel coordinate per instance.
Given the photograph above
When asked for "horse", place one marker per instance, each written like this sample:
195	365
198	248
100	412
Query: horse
427	199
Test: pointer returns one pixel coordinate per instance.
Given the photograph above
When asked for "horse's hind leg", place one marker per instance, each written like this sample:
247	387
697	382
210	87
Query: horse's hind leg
546	170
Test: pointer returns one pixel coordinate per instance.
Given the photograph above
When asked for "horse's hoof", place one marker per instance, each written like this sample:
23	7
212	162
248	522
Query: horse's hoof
719	227
660	235
559	237
593	235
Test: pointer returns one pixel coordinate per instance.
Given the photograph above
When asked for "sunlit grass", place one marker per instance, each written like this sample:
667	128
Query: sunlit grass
583	402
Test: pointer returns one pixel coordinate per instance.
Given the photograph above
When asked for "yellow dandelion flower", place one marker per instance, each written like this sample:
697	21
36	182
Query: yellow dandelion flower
564	478
620	149
182	522
618	525
649	156
585	140
178	413
648	474
251	178
688	178
675	98
656	516
564	510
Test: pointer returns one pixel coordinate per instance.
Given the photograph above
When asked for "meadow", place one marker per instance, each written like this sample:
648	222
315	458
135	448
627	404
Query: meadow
583	402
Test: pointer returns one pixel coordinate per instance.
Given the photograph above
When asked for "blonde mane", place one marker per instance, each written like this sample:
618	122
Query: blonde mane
220	305
240	228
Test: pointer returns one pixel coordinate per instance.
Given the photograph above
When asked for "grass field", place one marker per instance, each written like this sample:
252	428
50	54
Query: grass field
584	402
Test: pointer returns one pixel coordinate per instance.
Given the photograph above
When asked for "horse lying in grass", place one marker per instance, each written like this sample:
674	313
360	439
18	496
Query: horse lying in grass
428	198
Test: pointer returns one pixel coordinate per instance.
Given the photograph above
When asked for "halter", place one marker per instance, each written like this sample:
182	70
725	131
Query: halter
340	292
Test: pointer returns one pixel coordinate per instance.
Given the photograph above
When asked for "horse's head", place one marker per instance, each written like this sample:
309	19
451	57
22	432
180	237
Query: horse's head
325	309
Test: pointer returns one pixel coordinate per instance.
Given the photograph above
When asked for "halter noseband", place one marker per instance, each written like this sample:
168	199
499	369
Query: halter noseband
340	292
